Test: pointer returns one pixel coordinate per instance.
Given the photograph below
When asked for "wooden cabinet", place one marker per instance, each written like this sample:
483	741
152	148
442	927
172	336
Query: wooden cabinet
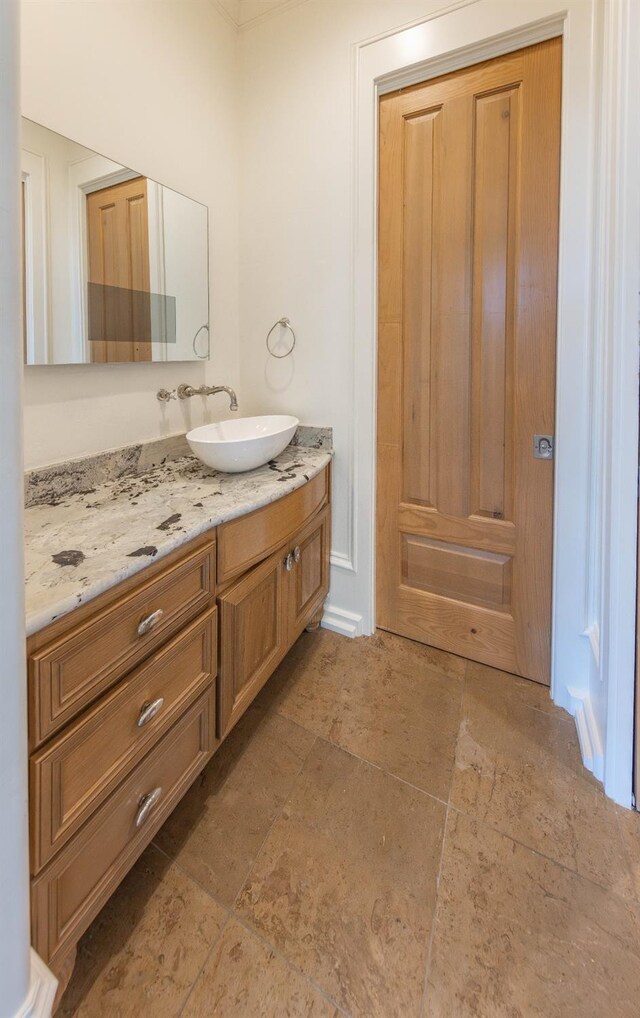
246	540
309	575
263	614
253	634
126	705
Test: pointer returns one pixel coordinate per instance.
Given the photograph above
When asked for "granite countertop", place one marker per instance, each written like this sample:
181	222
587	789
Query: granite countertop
80	544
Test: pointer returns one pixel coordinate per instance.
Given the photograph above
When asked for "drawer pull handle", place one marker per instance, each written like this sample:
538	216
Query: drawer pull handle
288	562
149	711
147	804
297	554
149	622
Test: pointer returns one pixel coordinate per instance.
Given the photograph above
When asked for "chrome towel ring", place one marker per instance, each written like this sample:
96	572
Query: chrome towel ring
287	325
201	356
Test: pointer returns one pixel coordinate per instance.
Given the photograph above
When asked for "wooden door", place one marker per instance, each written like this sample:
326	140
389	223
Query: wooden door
253	635
309	575
468	234
119	300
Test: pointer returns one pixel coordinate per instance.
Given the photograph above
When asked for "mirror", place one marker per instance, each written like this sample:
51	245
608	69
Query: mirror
115	265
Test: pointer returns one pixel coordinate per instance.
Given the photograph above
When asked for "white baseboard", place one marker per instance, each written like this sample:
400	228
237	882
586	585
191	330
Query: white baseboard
42	991
588	732
341	621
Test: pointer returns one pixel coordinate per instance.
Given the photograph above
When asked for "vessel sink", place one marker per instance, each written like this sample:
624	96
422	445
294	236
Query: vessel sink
243	443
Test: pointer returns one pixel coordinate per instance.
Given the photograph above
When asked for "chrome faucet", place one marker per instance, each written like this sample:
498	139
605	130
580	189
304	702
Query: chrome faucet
185	391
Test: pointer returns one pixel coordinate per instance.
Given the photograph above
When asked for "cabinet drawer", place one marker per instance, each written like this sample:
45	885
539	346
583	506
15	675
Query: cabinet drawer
65	676
70	892
249	539
75	772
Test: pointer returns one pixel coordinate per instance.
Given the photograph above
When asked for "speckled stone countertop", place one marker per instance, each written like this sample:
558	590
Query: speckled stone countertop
80	544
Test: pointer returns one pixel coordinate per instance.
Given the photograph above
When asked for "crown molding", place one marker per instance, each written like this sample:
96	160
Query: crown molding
228	11
272	12
231	11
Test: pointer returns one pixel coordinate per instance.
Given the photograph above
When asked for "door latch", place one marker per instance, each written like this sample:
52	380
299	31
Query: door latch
543	447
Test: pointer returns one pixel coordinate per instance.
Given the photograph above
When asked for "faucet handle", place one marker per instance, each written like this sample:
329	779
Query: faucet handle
185	390
164	395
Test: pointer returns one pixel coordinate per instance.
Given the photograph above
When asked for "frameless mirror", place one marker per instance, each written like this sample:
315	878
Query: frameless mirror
115	265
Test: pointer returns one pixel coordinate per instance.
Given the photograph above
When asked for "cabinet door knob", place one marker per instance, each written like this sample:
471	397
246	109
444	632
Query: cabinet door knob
149	711
146	805
288	562
297	554
150	621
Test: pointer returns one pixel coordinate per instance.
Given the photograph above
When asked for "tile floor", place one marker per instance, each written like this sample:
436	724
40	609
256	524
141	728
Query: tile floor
389	832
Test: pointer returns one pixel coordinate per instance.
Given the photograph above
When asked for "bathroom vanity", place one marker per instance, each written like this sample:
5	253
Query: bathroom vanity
179	620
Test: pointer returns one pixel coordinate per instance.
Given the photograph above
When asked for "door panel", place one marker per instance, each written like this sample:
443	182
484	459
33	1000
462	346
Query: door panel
467	574
495	199
468	220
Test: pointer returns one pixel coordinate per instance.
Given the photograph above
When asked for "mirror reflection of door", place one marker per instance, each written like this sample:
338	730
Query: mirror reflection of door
119	302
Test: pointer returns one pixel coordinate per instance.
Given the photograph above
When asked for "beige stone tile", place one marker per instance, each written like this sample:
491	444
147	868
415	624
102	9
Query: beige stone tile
145	949
307	686
517	936
215	832
520	770
244	978
345	884
408	725
337	659
492	684
388	705
408	654
629	825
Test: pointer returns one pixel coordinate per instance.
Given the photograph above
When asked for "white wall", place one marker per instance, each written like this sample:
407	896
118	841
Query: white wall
14	855
152	85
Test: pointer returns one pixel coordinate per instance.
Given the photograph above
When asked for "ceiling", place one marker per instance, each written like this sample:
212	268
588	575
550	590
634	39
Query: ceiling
246	12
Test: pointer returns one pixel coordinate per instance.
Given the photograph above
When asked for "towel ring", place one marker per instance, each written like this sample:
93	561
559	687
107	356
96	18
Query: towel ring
287	325
201	356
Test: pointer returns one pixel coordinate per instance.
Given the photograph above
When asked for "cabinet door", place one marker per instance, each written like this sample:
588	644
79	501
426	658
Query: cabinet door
253	637
309	576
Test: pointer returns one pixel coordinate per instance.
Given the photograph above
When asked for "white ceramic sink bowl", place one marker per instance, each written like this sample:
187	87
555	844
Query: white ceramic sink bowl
242	443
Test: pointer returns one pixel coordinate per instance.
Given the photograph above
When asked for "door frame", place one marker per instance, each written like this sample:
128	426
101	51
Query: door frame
463	34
